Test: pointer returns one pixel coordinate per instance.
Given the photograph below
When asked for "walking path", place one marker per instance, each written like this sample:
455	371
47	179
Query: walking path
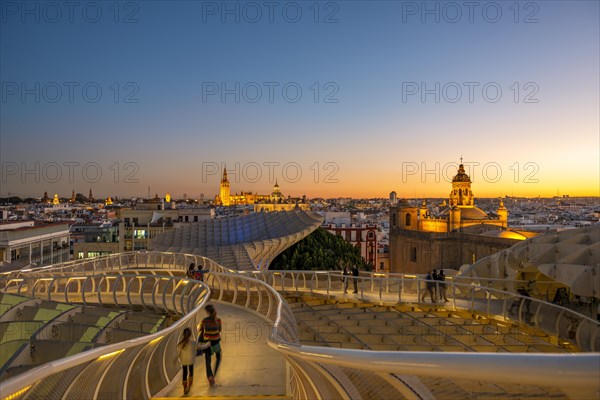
249	369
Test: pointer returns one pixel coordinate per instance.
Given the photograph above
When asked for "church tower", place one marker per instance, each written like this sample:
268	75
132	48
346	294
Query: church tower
461	194
276	195
502	214
225	191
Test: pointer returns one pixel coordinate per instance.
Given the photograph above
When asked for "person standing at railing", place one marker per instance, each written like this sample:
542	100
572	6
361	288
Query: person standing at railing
186	352
355	277
210	330
345	277
190	272
429	286
199	274
441	277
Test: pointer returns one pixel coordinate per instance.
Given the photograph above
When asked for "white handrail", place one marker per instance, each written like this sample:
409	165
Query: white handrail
575	373
38	374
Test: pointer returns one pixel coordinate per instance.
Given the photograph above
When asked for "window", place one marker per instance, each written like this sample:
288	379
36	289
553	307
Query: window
195	218
413	254
407	219
80	254
140	234
98	253
393	219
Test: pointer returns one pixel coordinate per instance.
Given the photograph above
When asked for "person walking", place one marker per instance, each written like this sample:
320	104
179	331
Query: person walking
345	277
186	352
355	278
210	330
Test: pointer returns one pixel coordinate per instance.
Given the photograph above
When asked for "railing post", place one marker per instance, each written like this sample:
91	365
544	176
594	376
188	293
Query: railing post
472	298
400	290
454	294
402	283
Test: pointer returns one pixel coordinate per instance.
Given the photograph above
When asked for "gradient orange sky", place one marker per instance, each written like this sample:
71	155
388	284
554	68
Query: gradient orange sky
371	133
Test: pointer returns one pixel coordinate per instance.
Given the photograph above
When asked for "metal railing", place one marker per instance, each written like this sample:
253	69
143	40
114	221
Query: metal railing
553	319
133	260
133	369
331	373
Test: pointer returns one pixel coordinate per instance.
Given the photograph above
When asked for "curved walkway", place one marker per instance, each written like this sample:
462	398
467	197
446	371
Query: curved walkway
249	366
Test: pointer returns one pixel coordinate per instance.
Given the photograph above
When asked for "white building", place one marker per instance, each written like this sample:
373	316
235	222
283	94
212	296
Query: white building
24	243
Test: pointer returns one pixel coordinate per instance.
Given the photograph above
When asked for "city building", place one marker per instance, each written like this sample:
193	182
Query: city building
94	239
461	233
362	236
24	243
275	201
143	222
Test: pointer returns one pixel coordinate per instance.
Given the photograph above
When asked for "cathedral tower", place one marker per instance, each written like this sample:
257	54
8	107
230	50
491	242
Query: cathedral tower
225	191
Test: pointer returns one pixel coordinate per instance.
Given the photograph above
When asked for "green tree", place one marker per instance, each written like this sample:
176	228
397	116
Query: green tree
319	251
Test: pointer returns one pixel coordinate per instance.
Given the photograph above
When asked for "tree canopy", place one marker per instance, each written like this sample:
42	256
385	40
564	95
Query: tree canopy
320	250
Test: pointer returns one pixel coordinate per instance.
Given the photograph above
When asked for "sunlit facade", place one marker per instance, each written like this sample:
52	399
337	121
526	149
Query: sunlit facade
461	233
262	202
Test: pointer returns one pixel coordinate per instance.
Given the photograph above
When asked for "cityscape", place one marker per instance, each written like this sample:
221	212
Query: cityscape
330	200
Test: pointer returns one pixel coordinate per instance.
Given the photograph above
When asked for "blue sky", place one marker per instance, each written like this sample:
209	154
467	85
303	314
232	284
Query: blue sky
169	53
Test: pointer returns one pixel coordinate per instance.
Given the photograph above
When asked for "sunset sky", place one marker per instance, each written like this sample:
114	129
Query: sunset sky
188	86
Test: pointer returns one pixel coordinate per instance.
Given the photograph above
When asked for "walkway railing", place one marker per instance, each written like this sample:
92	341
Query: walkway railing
134	260
332	373
551	318
317	372
134	369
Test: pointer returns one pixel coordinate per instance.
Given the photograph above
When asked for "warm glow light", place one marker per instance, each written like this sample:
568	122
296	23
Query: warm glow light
114	353
158	339
17	394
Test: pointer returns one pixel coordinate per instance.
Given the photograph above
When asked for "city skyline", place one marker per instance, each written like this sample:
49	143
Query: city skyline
421	180
518	93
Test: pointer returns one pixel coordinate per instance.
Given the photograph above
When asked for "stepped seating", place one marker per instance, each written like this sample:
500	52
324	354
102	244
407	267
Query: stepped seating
141	323
405	328
43	331
8	301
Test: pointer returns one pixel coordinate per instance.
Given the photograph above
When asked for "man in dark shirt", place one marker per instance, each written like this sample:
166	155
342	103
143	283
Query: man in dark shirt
355	279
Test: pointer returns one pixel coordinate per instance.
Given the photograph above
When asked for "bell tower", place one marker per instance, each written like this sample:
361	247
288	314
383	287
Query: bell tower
461	194
502	214
225	190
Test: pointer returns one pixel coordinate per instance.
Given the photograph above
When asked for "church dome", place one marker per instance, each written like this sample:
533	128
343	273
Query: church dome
473	213
461	175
